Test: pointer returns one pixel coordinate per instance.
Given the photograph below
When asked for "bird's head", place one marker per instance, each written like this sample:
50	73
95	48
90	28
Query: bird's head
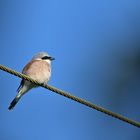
43	56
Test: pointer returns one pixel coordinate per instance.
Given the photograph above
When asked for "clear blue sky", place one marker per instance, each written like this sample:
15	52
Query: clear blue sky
97	50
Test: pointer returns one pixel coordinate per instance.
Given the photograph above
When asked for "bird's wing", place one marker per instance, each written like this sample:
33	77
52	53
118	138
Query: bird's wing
30	66
24	72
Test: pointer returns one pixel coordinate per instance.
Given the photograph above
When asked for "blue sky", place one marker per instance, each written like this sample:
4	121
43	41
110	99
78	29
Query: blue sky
97	50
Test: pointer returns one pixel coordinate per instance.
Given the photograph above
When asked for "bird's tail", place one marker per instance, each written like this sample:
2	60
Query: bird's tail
13	103
16	99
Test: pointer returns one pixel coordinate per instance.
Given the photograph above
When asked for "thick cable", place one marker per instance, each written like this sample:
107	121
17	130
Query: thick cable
68	95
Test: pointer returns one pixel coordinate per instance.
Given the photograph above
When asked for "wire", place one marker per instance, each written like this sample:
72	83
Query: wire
68	95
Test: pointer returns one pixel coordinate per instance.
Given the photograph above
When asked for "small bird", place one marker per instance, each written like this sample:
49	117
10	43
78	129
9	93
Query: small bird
39	68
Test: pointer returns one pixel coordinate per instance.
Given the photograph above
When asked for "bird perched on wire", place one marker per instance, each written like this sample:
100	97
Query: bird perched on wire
39	68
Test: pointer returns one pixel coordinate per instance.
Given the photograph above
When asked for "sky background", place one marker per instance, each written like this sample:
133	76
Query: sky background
97	49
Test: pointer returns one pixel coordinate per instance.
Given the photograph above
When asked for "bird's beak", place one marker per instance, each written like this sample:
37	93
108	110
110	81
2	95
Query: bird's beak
52	58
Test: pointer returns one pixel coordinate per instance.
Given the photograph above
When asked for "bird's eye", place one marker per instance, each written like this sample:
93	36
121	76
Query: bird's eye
45	57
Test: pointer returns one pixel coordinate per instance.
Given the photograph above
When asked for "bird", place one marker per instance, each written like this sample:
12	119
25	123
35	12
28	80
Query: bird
39	69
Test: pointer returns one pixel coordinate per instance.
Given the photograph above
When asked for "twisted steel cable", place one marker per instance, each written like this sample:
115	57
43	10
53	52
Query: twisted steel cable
74	98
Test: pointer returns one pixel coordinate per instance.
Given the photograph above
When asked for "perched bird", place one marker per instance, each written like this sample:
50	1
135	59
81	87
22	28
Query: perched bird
39	68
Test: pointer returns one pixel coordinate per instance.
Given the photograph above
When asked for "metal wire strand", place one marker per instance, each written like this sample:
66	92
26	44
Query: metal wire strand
68	95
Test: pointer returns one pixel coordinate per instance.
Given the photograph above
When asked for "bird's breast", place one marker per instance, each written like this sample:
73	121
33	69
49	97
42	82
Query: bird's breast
38	70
